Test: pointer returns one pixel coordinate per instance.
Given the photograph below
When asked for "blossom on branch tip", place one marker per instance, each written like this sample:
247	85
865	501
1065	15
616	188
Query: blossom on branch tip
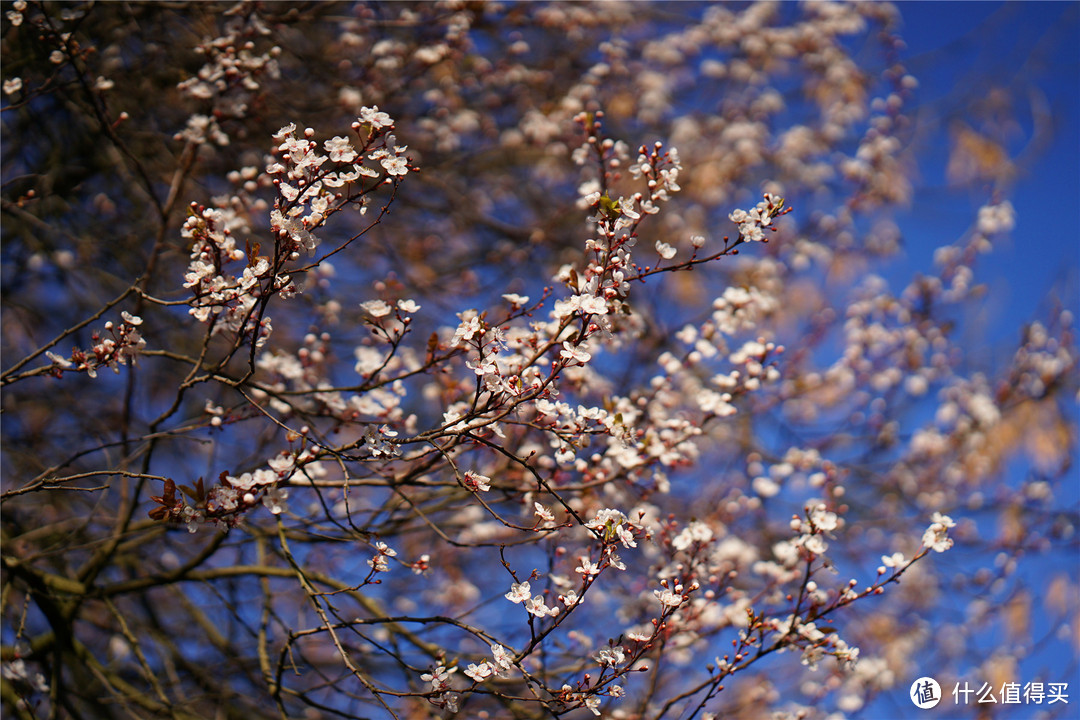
695	532
543	513
439	677
480	673
894	561
58	360
570	599
469	328
379	562
823	520
752	223
614	525
936	536
250	481
536	606
668	598
503	660
379	443
515	299
585	304
376	308
476	482
374	117
340	149
395	165
519	592
274	499
17	670
573	354
282	463
814	544
611	657
483	366
587	568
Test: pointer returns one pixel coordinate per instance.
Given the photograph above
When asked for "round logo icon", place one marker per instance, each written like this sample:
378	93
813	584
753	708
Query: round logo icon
925	693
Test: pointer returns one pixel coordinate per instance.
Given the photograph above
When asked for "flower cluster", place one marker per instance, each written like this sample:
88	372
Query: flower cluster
230	78
814	642
936	536
753	223
121	347
16	671
379	563
522	593
667	456
439	678
310	188
15	15
225	504
818	524
224	300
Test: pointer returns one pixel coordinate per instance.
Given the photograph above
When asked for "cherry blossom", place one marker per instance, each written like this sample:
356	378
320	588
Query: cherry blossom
936	536
527	333
519	592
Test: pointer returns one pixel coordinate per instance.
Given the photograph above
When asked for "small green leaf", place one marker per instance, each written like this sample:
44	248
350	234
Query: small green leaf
609	208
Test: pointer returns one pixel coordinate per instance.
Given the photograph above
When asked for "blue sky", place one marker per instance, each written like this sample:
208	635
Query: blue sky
961	51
